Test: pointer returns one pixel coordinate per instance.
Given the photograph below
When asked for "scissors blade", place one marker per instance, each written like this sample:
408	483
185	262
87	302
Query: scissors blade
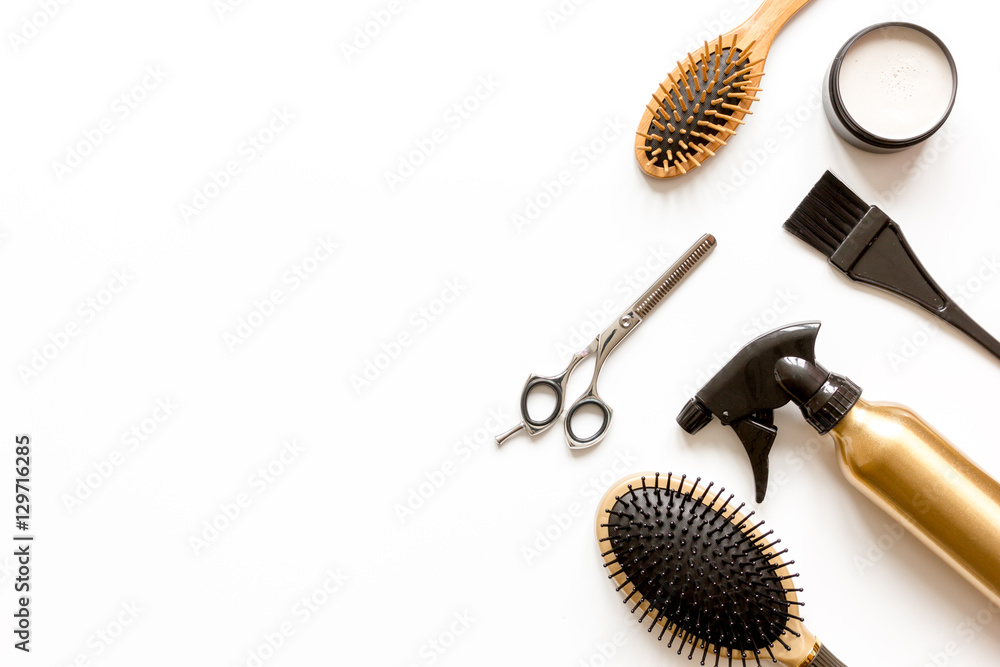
629	320
672	277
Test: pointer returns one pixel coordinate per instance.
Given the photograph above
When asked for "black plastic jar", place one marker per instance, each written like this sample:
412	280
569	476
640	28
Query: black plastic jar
851	130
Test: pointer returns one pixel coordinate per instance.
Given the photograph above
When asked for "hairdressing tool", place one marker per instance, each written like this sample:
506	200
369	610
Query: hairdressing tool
887	452
866	246
704	572
700	105
603	346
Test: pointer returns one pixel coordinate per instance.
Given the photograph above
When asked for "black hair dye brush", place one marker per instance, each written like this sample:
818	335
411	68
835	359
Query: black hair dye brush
704	574
866	246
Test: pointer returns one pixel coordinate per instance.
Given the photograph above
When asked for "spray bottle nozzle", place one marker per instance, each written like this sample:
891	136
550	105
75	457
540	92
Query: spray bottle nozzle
770	371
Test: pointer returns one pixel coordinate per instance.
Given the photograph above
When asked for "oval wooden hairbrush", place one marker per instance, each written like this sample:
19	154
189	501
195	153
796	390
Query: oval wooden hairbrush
704	573
700	105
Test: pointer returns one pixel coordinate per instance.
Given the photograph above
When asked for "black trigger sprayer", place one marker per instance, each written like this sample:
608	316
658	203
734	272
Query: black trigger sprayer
886	451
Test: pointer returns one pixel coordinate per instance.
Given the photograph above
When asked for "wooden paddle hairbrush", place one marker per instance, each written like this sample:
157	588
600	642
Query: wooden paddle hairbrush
704	100
704	574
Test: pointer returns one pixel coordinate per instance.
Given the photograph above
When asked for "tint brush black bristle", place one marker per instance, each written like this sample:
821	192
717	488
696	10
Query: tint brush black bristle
827	215
691	563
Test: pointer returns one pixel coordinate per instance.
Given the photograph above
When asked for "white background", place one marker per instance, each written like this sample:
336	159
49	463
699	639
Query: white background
473	546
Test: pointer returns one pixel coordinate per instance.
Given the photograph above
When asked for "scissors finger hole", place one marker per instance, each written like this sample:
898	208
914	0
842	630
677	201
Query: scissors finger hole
588	420
541	397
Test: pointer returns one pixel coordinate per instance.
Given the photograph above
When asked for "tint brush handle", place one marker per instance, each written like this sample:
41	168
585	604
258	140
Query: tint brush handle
959	319
876	253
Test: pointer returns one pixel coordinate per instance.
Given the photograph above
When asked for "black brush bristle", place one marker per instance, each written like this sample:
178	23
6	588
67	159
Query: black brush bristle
827	215
702	571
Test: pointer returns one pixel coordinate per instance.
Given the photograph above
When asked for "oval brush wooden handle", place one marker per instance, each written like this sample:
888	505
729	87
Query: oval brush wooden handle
825	658
766	22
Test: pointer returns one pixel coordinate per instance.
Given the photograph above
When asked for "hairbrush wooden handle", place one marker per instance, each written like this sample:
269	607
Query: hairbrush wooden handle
766	22
825	658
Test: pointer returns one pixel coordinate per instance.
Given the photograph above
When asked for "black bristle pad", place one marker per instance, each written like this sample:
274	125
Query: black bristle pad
709	77
698	570
827	215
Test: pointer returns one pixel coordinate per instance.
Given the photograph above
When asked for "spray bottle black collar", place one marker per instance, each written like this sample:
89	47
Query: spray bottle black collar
772	370
825	398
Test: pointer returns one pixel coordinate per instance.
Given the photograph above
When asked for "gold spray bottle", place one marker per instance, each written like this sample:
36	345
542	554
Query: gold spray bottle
886	451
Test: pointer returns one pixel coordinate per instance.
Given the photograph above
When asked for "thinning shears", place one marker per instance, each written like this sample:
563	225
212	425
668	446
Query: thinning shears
603	346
